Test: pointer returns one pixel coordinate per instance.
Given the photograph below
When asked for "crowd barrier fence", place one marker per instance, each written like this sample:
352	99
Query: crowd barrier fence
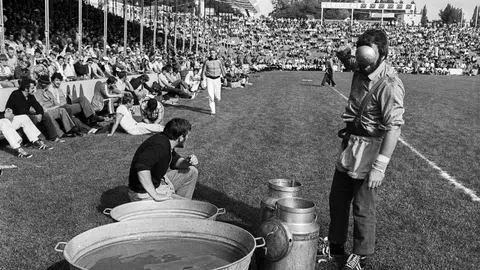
76	88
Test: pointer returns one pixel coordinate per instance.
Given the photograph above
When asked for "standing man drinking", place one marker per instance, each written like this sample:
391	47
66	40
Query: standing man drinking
212	71
149	179
373	118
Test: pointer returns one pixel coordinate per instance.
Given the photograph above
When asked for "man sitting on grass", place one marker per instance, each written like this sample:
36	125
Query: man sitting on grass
9	123
148	178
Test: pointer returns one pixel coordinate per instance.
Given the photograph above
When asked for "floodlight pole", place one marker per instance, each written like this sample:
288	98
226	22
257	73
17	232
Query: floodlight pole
175	28
141	25
47	27
125	27
155	26
2	33
105	24
321	16
80	26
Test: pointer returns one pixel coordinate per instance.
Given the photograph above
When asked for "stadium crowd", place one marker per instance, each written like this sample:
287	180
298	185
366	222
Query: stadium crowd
245	45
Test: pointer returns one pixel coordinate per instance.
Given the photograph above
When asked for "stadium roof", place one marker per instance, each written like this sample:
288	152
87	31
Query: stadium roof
250	5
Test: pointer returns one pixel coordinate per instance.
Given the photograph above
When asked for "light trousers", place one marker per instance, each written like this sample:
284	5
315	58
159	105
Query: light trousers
181	182
142	128
9	130
214	87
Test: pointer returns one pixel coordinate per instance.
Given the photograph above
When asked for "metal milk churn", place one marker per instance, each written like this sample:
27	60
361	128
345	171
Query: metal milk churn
277	189
291	236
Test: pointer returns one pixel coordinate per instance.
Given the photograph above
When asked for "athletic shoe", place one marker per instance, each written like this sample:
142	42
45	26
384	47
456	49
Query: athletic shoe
58	140
42	146
355	262
22	153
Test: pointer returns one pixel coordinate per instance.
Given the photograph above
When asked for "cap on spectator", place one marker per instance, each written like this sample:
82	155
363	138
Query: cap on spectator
44	79
105	58
90	60
3	57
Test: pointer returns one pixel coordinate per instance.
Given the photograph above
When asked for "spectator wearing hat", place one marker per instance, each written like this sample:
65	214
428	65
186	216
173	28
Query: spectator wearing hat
22	99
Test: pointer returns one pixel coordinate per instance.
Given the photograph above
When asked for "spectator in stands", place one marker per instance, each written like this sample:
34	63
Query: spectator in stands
21	100
106	67
94	71
124	118
9	123
152	111
6	74
22	70
103	92
40	69
12	58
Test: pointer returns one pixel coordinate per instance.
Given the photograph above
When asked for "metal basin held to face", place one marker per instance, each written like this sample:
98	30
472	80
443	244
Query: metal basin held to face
161	243
170	208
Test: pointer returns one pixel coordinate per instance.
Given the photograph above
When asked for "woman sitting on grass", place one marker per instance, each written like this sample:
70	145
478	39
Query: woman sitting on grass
125	119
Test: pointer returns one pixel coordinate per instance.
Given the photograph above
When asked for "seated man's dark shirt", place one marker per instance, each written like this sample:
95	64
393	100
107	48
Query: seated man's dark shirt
21	104
154	155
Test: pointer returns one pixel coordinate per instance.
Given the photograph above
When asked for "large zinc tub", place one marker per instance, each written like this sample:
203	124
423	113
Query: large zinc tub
162	243
170	208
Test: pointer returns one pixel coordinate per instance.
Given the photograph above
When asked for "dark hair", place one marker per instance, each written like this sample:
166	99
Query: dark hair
377	37
60	57
25	82
176	128
122	74
56	75
152	104
144	77
165	68
111	80
127	98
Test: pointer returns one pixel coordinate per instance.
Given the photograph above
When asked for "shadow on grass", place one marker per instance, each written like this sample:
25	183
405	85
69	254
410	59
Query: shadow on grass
113	198
238	213
61	265
189	108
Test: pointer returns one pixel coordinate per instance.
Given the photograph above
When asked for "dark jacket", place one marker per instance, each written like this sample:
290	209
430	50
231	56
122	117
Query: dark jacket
21	104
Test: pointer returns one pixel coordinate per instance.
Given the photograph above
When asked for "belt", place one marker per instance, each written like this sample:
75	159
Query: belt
213	78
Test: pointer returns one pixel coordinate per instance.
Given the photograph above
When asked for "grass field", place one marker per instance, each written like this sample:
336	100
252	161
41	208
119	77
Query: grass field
281	127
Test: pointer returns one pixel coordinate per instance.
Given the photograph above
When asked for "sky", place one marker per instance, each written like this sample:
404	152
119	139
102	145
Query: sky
434	6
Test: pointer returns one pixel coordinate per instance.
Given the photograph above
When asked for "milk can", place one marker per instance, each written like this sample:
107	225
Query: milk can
277	189
291	236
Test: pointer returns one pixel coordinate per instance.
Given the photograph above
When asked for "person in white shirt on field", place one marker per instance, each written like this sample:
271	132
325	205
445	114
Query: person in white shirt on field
124	118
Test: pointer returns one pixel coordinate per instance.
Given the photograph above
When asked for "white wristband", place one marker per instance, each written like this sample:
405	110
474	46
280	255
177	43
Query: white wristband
383	158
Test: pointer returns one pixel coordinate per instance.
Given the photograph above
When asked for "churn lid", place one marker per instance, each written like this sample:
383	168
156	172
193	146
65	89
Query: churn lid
278	239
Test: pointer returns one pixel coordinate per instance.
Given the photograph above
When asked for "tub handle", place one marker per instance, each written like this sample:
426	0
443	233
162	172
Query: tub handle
315	217
62	248
107	211
220	211
262	244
